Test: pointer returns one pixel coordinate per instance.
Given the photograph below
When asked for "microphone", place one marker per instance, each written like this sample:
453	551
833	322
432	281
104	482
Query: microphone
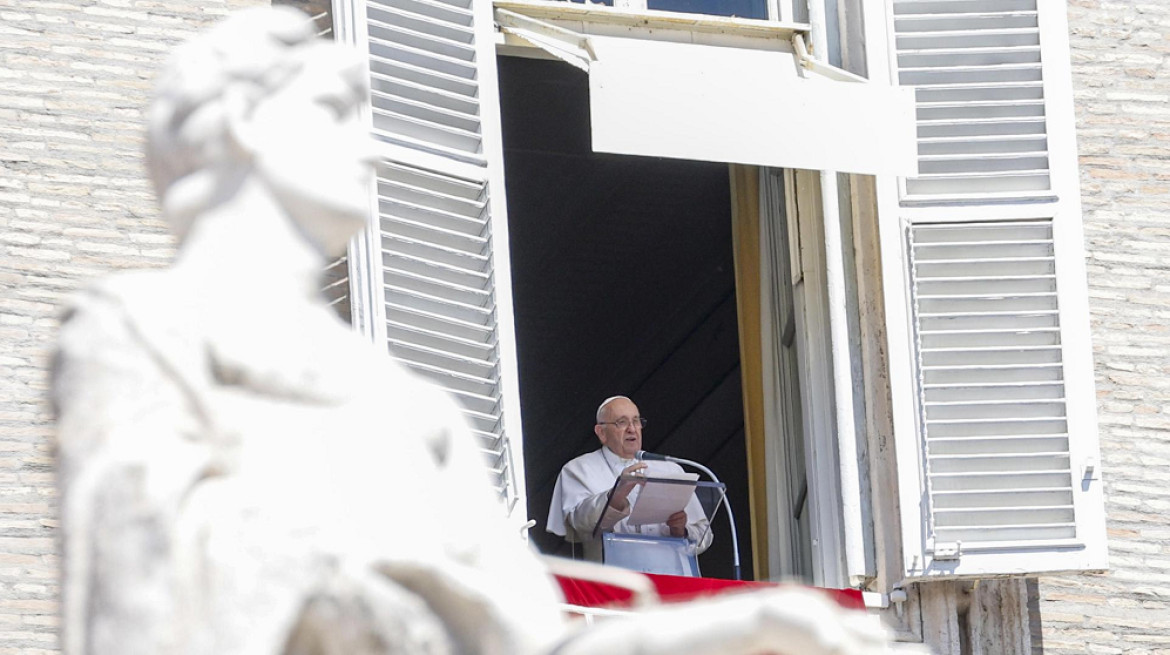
642	455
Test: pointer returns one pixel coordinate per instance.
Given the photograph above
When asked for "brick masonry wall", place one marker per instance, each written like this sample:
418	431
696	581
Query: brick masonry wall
74	205
1121	78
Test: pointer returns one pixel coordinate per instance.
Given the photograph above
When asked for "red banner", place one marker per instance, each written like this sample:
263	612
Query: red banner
677	589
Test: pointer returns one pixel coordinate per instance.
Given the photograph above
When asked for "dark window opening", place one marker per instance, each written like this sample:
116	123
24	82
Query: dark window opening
623	282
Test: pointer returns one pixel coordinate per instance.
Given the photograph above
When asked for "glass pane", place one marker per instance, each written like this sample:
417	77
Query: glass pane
737	8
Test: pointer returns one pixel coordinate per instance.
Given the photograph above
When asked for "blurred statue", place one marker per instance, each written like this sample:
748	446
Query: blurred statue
233	459
241	473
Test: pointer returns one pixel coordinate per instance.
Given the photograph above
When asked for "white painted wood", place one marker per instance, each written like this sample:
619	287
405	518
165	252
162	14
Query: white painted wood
599	19
512	429
367	311
779	527
788	528
814	355
984	200
980	87
570	47
717	89
853	535
692	101
435	278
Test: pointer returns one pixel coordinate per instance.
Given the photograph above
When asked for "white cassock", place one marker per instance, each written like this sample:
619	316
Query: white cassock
579	500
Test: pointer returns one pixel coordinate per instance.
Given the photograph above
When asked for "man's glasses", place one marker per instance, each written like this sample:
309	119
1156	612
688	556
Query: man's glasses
623	423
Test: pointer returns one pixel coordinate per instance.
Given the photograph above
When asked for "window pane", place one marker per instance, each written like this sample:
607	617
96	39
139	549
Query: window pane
738	8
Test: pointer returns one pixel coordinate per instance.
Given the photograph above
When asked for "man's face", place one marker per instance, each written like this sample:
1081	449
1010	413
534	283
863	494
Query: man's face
621	429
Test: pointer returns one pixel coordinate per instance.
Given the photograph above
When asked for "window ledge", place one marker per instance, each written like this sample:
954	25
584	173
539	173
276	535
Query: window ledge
611	17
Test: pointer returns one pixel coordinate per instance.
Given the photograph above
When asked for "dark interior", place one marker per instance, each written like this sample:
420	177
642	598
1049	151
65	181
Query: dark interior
623	283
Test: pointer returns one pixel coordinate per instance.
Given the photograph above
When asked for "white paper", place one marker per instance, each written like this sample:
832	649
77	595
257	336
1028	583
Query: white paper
657	501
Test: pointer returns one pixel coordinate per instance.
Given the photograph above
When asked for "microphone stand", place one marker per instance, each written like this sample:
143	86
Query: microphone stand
730	515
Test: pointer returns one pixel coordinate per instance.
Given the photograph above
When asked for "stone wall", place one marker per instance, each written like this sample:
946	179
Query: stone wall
74	205
1121	78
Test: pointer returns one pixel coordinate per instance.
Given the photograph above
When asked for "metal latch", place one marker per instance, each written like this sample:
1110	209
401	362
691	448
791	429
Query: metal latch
1089	469
948	551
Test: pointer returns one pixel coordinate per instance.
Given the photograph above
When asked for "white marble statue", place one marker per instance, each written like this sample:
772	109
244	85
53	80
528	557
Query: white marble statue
240	473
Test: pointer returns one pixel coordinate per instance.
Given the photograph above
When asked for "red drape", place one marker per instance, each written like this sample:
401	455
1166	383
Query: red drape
674	589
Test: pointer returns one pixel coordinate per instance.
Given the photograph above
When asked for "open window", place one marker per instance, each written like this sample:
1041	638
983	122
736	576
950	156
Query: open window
433	279
623	282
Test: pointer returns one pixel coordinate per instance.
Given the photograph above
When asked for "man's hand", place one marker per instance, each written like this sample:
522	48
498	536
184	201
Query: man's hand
677	524
620	497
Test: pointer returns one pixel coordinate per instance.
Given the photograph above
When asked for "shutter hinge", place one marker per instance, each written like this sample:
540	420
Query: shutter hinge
951	551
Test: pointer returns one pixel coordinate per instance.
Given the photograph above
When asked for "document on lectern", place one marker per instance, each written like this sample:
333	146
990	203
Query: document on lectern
658	500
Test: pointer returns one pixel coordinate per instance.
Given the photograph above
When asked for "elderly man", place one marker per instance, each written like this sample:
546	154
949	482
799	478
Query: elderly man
582	488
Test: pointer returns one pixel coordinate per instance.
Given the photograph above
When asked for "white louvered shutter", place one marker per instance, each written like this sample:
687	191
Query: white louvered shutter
437	261
991	368
335	287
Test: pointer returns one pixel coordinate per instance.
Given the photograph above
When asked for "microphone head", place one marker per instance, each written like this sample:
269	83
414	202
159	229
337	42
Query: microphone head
643	456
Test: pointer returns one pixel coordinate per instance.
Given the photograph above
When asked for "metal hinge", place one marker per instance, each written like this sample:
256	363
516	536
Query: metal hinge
948	551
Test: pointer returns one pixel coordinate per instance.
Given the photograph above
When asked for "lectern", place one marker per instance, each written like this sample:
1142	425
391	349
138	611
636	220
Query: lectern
646	554
658	498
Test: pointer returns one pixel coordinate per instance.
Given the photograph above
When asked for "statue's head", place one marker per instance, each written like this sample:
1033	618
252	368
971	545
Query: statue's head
260	97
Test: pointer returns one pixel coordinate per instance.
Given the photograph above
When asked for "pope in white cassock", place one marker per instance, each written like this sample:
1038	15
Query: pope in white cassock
579	498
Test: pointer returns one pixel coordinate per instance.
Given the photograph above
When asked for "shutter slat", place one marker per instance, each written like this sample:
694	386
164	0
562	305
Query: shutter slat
471	348
453	239
1005	120
982	402
1016	444
474	369
411	317
447	12
384	69
459	103
435	135
422	58
463	123
435	39
409	298
995	294
973	52
959	16
989	279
